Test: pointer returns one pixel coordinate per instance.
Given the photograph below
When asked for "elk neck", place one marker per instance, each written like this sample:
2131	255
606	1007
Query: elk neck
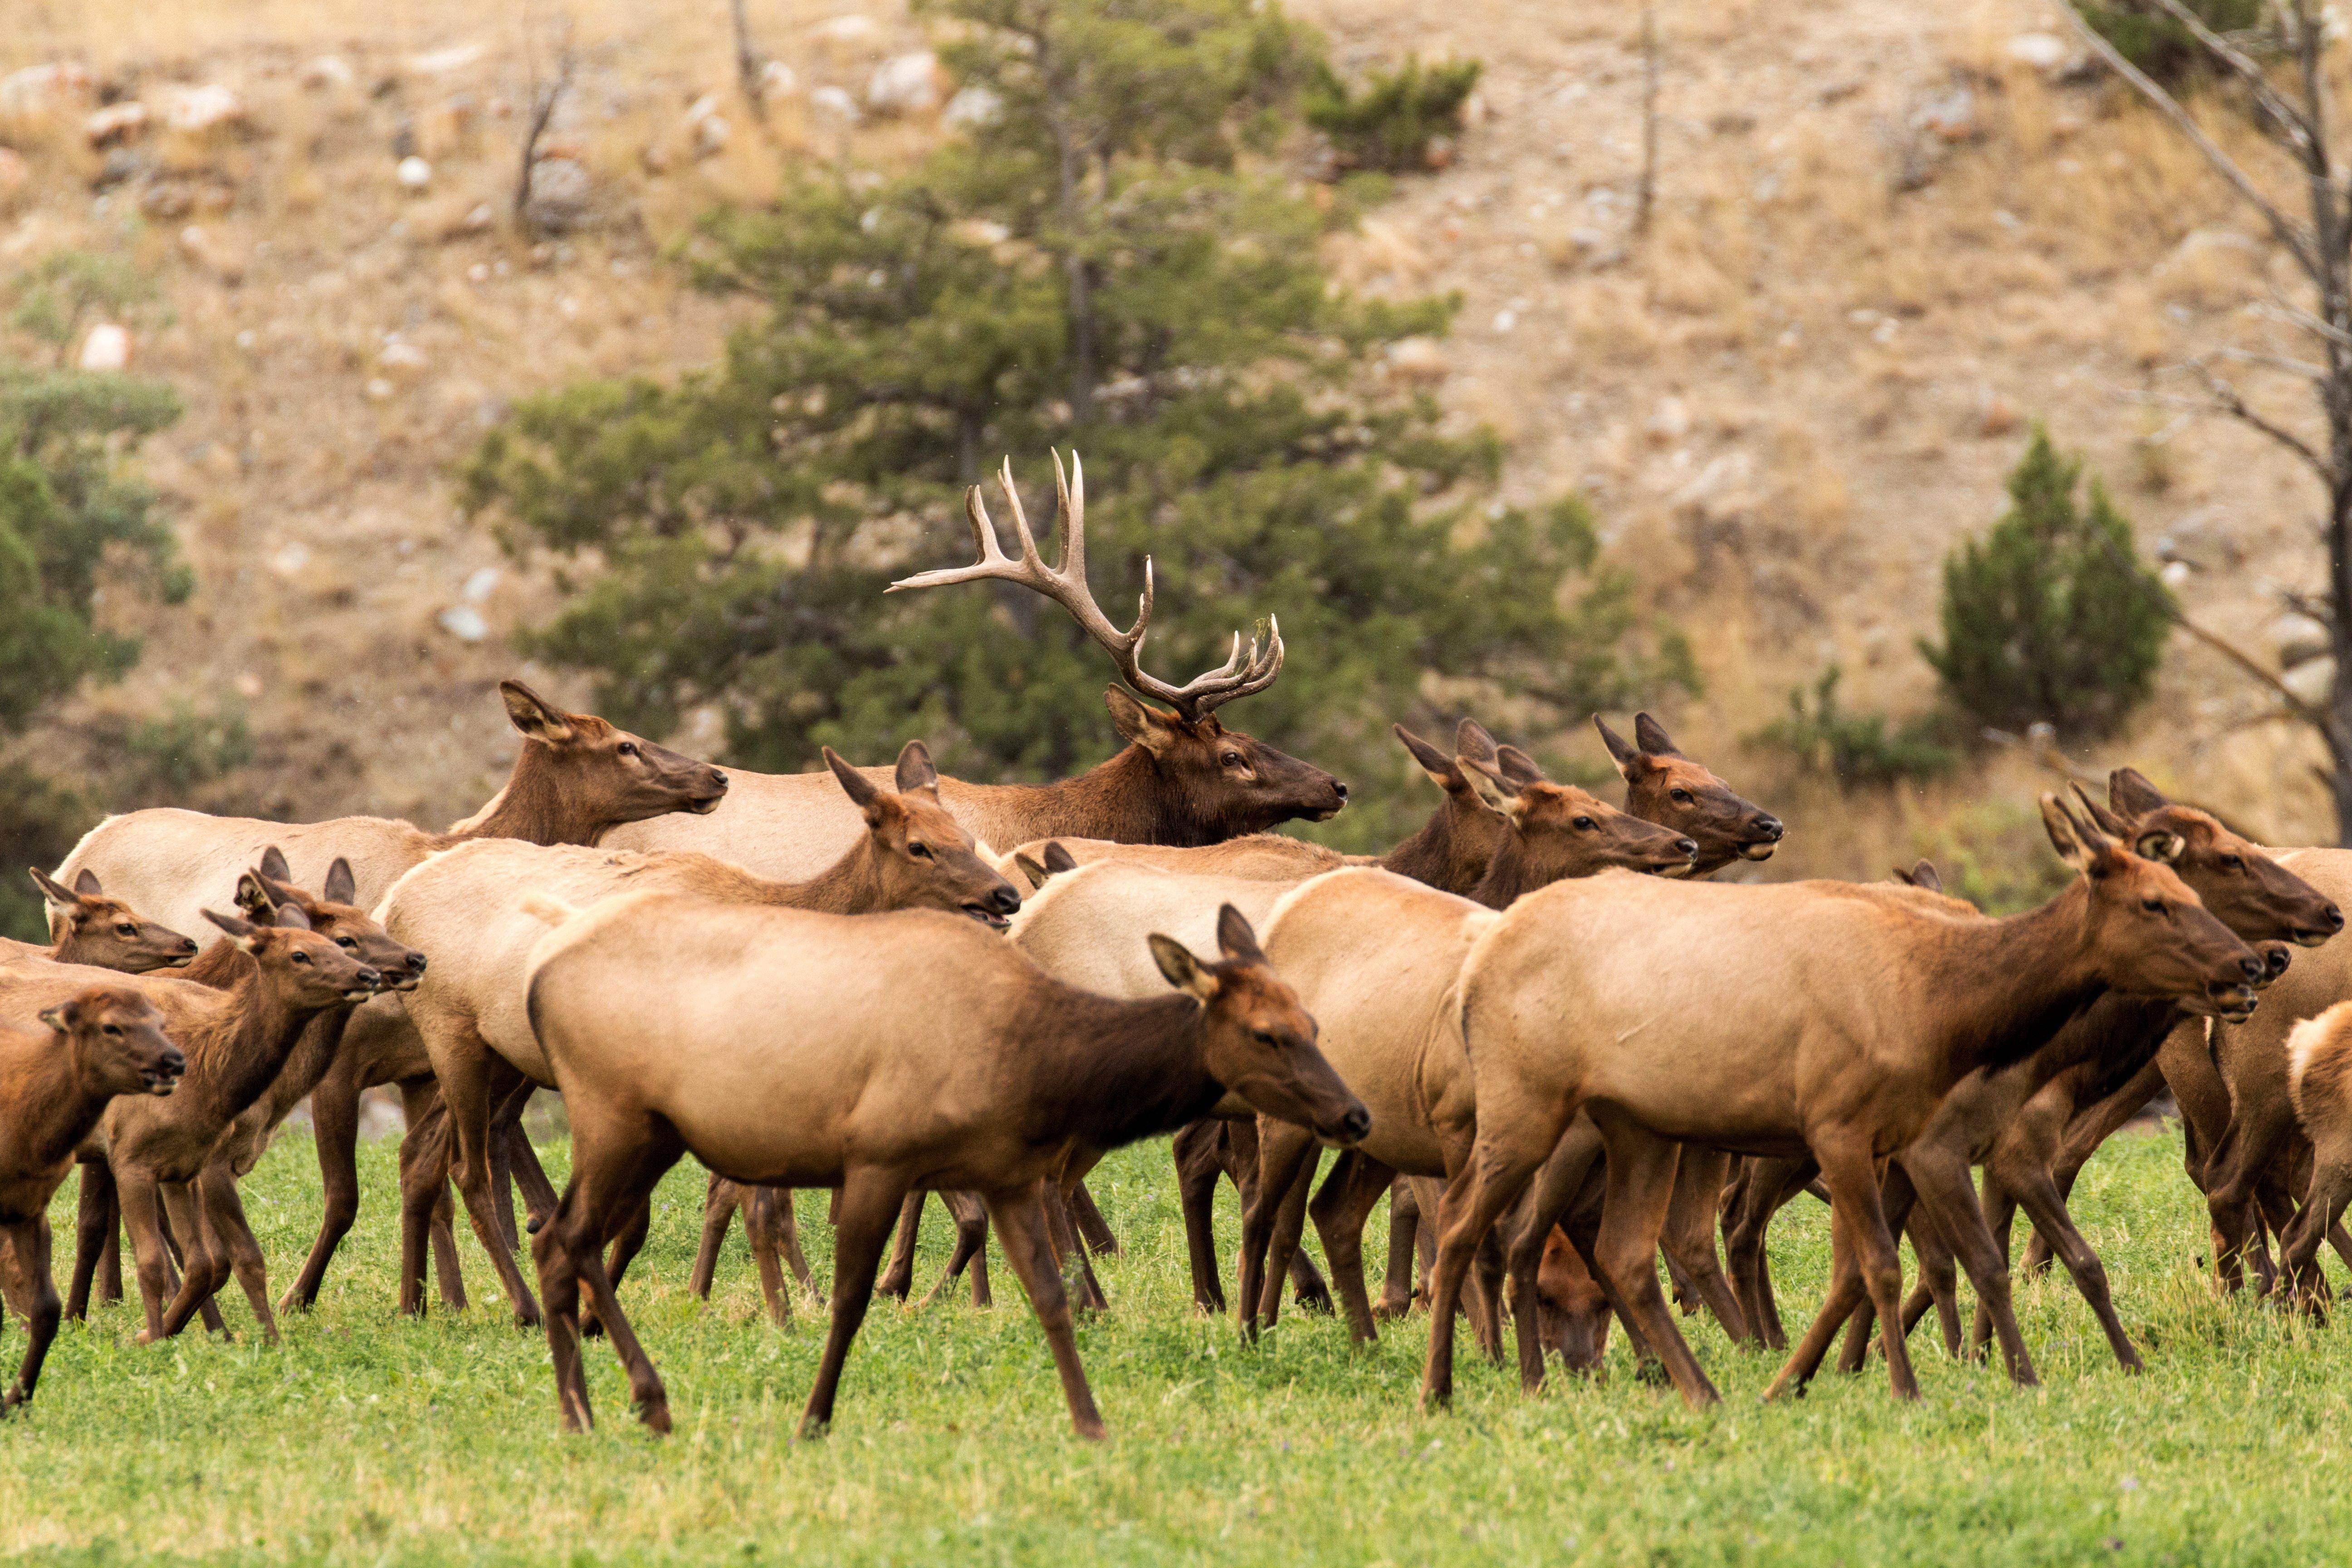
1999	989
1448	853
237	1051
54	1099
532	806
314	1052
1123	799
850	886
1108	1072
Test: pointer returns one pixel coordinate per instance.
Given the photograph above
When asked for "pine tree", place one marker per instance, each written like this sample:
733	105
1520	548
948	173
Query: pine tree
2052	618
1101	266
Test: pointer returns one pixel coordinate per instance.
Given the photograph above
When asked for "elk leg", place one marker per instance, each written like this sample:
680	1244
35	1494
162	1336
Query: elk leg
31	1289
1939	1283
1289	1226
2237	1165
2048	1211
1549	1194
473	1081
1764	1188
720	1198
151	1262
1898	1196
1063	1233
1092	1228
2090	1128
1485	1184
970	1212
1845	1293
1689	1237
335	1132
1851	1174
94	1222
870	1197
1020	1219
1404	1235
2323	1206
422	1106
1283	1150
899	1278
1339	1209
625	1244
1199	1167
424	1184
760	1207
225	1218
1640	1189
204	1263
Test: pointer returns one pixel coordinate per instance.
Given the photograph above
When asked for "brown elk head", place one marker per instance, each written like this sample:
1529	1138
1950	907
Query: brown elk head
315	973
2146	933
269	887
1557	831
1455	846
2247	890
921	858
1259	1041
1664	786
579	775
117	1037
1206	782
89	928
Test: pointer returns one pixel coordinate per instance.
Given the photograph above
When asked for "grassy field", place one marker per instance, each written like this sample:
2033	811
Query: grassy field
365	1439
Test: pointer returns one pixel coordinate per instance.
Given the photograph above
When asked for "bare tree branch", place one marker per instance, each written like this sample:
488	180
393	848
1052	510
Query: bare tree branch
2306	711
747	60
1646	194
543	100
2295	236
2280	310
2297	127
2227	400
2275	362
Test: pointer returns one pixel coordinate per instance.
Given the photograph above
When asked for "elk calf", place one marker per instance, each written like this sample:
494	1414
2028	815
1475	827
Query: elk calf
876	1053
56	1080
86	927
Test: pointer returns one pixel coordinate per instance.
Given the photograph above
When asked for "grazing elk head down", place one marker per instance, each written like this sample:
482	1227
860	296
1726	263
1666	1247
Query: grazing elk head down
580	766
2146	933
107	934
922	859
1205	783
118	1037
1662	786
269	887
318	972
1259	1041
2247	890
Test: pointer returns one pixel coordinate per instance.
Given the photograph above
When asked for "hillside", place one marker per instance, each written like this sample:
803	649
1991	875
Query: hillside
1883	245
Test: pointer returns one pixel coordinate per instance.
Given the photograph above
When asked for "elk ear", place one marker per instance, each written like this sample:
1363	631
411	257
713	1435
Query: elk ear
534	717
1623	755
1184	970
87	884
274	867
1519	768
1923	874
860	789
252	896
2165	848
1058	859
1234	938
242	933
290	916
2131	795
1488	781
915	769
59	1017
1147	727
341	887
1036	875
1652	737
1471	739
1434	763
2078	843
55	896
2105	820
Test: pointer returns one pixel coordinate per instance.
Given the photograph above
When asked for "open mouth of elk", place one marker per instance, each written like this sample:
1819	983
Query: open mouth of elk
163	1080
988	917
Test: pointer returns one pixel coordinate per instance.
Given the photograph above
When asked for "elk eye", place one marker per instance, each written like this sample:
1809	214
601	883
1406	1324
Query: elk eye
301	958
919	851
1680	794
627	748
1265	1037
347	945
126	929
2153	906
113	1032
2234	862
1585	824
1233	759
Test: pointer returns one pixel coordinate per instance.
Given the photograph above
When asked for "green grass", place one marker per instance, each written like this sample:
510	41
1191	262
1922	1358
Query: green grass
365	1439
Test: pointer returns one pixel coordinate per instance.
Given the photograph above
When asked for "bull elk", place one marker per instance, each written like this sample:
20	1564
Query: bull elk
466	907
99	1043
788	1048
87	927
1816	1018
1182	777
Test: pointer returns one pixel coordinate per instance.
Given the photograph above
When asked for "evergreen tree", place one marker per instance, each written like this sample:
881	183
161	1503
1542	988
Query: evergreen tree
2052	617
1097	266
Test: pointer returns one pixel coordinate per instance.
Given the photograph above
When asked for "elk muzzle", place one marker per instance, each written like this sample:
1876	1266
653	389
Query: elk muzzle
162	1075
2331	921
1766	832
995	910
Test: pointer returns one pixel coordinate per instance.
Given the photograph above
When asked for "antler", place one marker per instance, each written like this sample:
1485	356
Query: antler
1065	585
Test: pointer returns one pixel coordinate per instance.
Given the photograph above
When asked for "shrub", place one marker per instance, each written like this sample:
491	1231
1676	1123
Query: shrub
40	821
1390	125
1857	749
1995	853
2144	34
2051	617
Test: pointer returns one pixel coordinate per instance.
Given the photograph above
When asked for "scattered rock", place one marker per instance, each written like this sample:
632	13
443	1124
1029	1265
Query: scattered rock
107	349
120	164
116	123
288	560
1437	152
1996	414
2173	573
476	219
971	106
167	199
848	34
1419	359
1670	421
207	250
328	71
414	174
481	585
378	389
404	358
464	622
38	92
654	158
778	81
2043	51
906	84
2313	680
1950	116
836	102
562	196
196	109
1732	122
441	62
710	134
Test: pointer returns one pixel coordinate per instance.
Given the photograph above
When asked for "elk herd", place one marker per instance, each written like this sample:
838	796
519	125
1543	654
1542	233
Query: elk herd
1535	1026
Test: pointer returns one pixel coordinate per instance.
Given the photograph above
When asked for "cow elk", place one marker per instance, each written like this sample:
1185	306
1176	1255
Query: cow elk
793	1048
56	1078
87	927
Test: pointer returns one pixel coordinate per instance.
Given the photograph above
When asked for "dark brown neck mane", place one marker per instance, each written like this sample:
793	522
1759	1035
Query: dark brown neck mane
1108	1072
532	806
236	1048
1123	799
1451	852
2003	988
53	1103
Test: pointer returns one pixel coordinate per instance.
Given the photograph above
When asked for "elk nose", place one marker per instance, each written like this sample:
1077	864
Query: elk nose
1771	829
188	943
1005	900
416	963
2279	958
719	778
2251	967
1356	1124
174	1063
1339	788
369	976
2334	918
1687	847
